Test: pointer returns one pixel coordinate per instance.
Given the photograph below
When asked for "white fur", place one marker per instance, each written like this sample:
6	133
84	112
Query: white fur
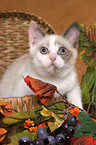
36	65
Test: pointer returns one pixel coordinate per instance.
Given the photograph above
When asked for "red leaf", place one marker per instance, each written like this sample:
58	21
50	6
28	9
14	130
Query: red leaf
83	140
44	91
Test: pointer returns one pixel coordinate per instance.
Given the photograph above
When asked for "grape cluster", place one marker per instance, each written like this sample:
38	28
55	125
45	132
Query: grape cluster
60	136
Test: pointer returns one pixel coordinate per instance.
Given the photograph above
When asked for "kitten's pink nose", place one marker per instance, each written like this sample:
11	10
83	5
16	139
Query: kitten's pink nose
53	58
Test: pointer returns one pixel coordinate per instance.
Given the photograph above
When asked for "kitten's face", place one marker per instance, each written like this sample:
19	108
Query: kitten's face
51	54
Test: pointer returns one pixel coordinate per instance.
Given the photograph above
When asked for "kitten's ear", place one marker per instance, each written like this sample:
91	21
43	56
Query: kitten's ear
72	34
35	33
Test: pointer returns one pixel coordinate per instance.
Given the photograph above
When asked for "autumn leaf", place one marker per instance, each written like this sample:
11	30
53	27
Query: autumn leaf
57	119
87	44
45	112
34	129
6	109
83	140
3	132
74	111
54	124
44	91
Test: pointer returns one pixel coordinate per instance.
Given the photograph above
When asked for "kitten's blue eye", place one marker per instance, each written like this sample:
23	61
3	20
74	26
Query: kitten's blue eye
43	50
62	50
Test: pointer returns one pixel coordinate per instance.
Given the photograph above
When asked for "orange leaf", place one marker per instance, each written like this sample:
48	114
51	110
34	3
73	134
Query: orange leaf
44	91
74	111
42	125
6	108
93	120
34	129
3	132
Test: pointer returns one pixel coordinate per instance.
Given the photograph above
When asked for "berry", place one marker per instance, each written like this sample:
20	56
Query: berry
67	137
51	140
60	129
42	132
60	139
70	130
24	140
38	141
72	120
65	126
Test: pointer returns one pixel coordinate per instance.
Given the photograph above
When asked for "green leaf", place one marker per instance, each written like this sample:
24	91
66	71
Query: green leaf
15	138
59	106
87	44
88	126
87	85
79	132
9	120
18	117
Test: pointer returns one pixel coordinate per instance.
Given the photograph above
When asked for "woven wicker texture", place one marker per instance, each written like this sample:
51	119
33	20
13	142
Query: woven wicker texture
14	35
14	43
25	103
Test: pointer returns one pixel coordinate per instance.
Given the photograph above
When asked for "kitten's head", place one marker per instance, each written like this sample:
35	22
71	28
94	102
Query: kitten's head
53	54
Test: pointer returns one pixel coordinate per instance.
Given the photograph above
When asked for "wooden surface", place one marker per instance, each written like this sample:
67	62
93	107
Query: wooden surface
59	13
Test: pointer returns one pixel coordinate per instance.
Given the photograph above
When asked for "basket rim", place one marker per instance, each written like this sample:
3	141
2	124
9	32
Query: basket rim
27	16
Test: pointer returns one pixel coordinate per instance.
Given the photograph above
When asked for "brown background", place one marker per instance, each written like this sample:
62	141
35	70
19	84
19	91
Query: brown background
59	13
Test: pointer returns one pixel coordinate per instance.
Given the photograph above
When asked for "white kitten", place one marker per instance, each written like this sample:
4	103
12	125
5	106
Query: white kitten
51	59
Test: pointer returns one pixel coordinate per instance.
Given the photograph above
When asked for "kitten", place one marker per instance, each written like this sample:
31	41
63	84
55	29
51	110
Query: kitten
51	59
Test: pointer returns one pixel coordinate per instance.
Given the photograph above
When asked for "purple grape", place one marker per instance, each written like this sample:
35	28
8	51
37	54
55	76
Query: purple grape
72	120
50	140
24	140
60	139
38	141
70	130
60	129
65	126
42	132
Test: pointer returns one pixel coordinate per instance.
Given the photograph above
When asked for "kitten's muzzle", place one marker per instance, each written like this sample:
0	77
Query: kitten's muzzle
53	58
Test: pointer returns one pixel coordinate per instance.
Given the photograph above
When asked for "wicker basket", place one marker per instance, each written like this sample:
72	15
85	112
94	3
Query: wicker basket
14	43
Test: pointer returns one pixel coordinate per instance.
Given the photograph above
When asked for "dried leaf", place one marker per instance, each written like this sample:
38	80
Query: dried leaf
54	125
3	132
57	119
87	44
44	91
6	109
45	112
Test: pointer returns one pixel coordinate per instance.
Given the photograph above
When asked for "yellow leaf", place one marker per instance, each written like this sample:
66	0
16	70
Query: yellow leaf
45	112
